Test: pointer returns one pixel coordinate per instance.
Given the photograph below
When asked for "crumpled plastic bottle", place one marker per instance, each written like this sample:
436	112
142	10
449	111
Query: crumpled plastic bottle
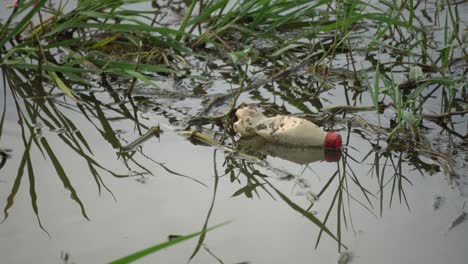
287	130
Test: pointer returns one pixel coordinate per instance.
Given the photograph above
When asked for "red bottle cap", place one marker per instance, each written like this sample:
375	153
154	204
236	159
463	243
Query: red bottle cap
332	140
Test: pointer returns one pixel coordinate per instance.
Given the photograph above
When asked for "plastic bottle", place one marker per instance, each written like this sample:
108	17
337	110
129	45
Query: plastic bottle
287	130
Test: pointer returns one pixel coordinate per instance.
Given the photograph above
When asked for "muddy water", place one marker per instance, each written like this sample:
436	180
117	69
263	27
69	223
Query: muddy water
84	201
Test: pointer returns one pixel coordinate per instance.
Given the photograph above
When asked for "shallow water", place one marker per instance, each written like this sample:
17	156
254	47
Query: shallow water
94	204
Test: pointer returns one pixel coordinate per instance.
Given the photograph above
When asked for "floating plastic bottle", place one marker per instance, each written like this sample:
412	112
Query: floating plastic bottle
286	130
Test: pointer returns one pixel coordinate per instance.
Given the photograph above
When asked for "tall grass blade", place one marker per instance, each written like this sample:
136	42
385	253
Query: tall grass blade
186	19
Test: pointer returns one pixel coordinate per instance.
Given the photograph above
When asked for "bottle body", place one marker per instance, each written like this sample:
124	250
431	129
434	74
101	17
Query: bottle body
286	130
290	130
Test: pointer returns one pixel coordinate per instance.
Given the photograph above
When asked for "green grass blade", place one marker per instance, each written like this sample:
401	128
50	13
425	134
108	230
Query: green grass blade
208	11
20	64
105	41
142	253
63	86
131	28
123	66
142	78
186	19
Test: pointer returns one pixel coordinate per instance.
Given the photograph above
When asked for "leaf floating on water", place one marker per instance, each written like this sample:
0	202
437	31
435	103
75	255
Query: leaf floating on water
345	257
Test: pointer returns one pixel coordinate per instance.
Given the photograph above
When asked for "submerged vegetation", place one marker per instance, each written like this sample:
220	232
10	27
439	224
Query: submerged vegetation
397	70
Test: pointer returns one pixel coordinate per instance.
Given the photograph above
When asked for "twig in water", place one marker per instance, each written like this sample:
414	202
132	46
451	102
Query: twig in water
154	131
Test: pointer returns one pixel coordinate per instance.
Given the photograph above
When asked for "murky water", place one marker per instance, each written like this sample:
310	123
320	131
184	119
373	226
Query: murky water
69	195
